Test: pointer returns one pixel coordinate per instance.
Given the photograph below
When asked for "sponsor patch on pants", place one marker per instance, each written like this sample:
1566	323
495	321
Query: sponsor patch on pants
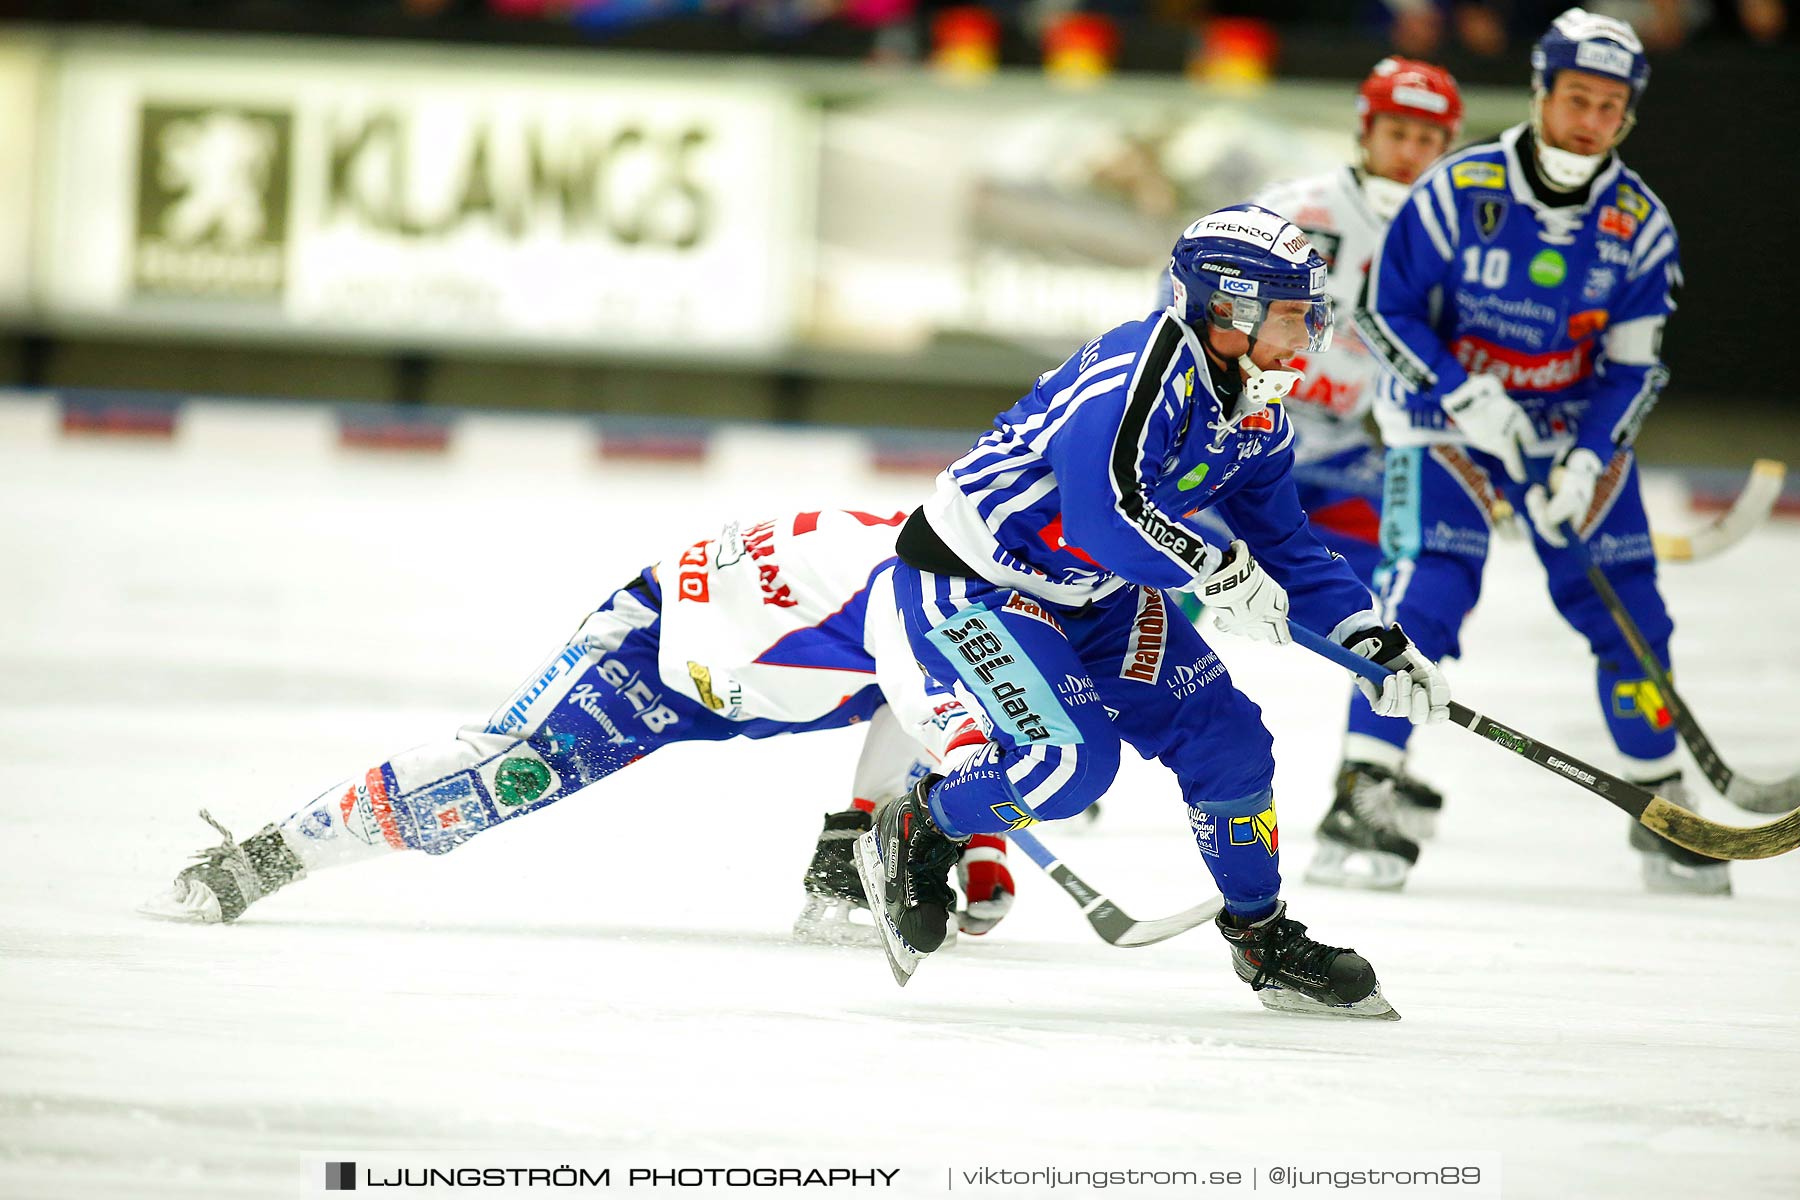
994	667
1259	827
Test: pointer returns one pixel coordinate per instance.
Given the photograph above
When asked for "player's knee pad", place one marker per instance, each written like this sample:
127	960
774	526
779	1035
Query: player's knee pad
1636	708
1240	842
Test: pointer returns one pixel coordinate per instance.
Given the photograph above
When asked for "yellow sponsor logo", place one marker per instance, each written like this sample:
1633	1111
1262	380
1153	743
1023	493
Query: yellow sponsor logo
1014	816
1259	828
702	678
1642	698
1478	175
1633	202
1187	382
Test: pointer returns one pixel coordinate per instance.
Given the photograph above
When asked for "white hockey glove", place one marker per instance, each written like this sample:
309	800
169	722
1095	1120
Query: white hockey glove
1244	600
1491	420
1570	495
1415	690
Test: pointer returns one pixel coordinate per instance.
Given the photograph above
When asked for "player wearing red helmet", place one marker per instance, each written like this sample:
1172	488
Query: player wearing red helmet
1408	115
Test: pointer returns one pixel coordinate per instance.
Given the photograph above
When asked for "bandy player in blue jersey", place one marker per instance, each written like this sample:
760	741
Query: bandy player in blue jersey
1518	303
1031	586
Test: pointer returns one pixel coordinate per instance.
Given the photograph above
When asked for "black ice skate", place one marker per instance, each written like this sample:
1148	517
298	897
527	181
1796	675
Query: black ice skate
1360	844
1675	870
834	889
228	879
1417	807
1292	973
905	863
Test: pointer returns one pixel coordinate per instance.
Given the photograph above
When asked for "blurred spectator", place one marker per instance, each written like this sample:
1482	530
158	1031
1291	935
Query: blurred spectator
1158	31
1423	28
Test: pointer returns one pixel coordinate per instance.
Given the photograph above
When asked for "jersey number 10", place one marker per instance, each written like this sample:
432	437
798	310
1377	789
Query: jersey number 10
1488	270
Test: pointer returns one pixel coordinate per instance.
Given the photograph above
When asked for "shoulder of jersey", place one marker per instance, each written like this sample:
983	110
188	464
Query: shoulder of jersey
1133	337
1289	196
1478	168
1633	195
1113	356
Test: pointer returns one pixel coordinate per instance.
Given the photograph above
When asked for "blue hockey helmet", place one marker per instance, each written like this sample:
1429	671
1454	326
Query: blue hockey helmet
1583	41
1230	265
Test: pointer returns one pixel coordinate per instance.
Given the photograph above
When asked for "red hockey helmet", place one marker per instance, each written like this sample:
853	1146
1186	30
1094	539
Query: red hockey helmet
1407	87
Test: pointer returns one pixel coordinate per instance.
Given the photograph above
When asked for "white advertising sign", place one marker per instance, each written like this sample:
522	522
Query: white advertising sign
459	200
22	70
1039	217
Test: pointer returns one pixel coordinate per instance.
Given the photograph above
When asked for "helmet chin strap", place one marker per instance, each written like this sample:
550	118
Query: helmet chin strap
1564	170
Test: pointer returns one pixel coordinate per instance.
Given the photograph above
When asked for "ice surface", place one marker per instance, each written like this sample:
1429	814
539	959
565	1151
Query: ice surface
611	980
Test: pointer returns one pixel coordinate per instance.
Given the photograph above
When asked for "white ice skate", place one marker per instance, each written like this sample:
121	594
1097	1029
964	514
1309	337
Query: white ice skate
228	879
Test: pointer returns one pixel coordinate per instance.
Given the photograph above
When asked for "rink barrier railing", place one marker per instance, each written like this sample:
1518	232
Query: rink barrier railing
290	429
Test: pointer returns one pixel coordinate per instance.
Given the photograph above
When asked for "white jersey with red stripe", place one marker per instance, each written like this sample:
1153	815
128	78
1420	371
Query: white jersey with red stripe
765	619
773	620
1328	407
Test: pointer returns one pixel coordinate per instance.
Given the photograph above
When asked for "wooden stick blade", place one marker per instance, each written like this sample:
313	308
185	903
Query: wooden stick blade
1721	841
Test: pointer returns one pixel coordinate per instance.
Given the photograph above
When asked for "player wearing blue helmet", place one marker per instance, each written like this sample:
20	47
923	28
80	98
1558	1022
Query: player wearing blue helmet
1518	301
1033	585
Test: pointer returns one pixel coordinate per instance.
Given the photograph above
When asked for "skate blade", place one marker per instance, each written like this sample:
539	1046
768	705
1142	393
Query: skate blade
188	901
1371	870
1373	1007
829	921
1664	877
903	960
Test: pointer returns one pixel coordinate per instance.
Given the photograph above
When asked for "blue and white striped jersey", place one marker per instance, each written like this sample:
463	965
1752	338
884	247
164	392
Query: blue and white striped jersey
1564	304
1090	481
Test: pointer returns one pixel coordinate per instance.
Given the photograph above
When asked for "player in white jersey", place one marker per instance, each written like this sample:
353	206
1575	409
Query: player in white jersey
1409	115
757	631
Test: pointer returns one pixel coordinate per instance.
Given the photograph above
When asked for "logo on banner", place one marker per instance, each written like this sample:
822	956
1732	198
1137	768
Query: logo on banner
212	202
